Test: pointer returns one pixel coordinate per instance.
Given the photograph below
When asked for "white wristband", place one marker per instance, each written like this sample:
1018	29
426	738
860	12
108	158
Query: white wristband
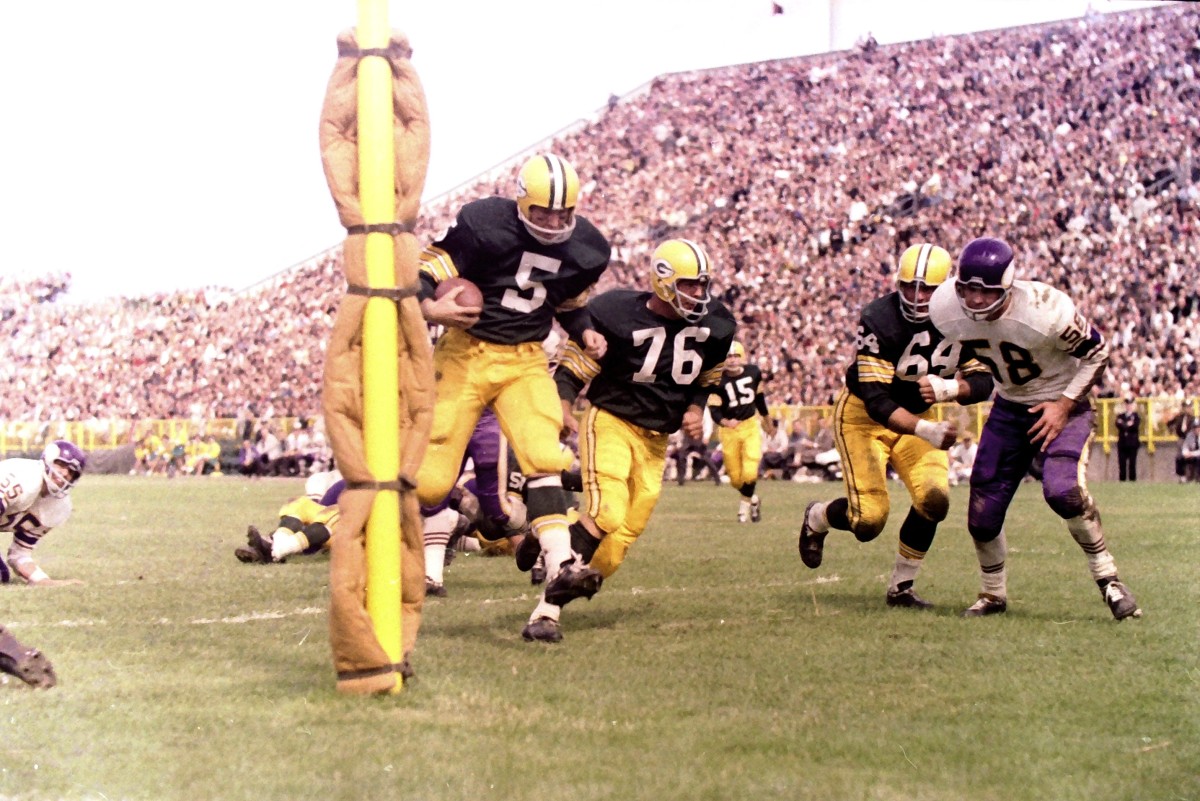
944	389
37	575
930	432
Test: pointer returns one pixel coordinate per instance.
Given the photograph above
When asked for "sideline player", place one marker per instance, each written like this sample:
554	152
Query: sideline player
1046	357
534	260
666	351
882	416
739	408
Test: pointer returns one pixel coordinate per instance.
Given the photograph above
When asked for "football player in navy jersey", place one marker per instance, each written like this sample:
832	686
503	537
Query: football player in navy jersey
666	350
534	260
1046	357
882	417
738	408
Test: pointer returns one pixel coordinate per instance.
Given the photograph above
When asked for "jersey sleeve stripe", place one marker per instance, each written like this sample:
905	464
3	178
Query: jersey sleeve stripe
973	366
437	263
578	363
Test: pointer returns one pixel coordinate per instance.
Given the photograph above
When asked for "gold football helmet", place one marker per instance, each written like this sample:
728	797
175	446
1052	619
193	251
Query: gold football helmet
549	182
681	260
922	265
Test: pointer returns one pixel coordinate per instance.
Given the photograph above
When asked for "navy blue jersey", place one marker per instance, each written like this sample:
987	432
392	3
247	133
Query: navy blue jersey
524	283
739	396
654	368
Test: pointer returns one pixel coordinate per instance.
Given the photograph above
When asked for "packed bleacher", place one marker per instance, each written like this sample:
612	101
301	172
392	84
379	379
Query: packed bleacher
805	178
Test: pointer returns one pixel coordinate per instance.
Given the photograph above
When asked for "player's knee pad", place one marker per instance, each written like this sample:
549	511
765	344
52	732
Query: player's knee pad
317	535
611	553
868	520
610	515
933	504
983	532
1066	502
549	459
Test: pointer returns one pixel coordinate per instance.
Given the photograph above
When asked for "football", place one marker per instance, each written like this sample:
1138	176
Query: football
470	296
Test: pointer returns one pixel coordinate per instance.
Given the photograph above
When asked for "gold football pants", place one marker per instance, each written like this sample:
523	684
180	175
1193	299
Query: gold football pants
742	448
866	448
622	468
515	381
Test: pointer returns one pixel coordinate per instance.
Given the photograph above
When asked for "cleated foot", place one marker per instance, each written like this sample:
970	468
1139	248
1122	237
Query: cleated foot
986	605
435	588
537	575
907	599
260	544
28	664
755	509
812	544
527	553
573	581
247	556
1120	600
544	629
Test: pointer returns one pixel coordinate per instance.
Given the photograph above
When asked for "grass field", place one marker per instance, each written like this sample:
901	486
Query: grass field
712	666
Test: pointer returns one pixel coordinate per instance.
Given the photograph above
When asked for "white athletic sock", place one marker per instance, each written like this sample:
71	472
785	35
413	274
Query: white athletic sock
437	528
556	547
817	519
435	561
993	573
905	570
544	609
1087	531
284	543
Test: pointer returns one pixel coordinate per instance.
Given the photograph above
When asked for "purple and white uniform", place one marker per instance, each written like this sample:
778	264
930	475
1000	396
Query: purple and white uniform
26	510
1040	349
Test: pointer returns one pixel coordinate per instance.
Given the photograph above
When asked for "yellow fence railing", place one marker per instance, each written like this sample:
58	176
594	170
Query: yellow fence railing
18	437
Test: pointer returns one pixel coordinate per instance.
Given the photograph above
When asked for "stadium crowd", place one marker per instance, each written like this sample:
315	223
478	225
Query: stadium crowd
805	178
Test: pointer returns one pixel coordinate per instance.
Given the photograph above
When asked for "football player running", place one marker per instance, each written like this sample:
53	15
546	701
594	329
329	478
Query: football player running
738	408
1045	357
666	351
534	260
35	497
884	415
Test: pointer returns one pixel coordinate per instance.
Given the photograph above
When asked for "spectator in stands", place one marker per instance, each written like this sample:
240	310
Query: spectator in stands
1098	191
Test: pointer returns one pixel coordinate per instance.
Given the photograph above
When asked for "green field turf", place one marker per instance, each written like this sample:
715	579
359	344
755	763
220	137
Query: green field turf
713	665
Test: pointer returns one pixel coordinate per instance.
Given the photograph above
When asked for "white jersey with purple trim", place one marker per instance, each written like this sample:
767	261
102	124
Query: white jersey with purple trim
24	509
1039	349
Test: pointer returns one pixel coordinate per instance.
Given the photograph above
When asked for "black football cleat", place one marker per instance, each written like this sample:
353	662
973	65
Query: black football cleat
28	664
986	605
527	553
544	629
1120	600
907	599
573	581
812	544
